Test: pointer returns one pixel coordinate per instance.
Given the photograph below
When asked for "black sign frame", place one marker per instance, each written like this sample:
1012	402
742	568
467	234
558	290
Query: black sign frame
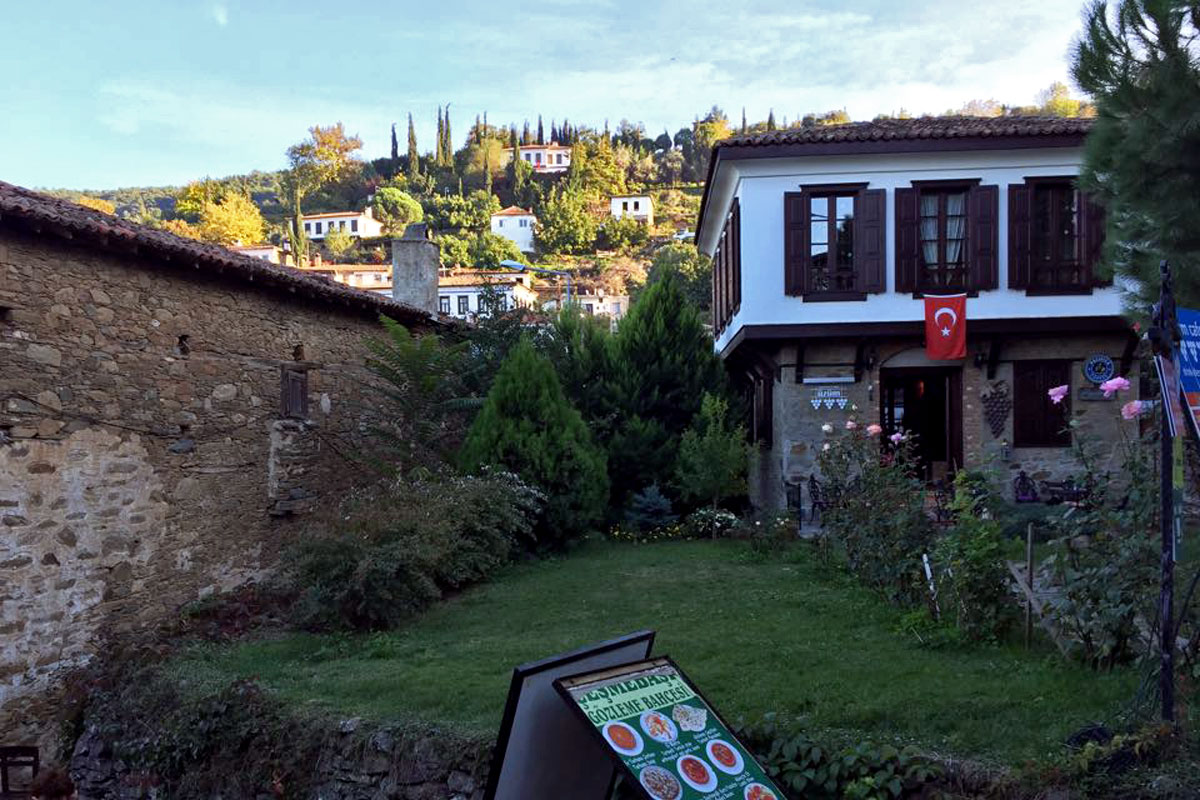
648	663
523	672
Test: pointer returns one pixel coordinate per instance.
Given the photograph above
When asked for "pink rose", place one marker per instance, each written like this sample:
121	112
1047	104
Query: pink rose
1114	385
851	424
874	430
1058	393
897	437
1132	409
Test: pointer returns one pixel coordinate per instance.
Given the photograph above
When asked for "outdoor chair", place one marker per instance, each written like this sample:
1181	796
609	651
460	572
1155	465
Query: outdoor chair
818	501
943	496
13	758
1024	488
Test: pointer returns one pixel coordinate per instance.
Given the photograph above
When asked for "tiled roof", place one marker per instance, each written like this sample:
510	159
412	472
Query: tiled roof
335	214
51	216
513	211
479	279
917	128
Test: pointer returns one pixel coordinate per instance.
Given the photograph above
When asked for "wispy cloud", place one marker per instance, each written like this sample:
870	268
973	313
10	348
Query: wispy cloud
220	14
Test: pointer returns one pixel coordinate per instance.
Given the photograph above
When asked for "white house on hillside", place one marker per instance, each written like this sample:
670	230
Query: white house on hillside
355	223
460	293
637	206
549	158
516	225
843	255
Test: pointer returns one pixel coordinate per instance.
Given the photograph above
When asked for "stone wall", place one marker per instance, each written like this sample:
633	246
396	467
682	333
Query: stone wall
145	459
797	435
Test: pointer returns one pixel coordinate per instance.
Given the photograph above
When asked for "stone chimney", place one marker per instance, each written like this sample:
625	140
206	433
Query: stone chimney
415	259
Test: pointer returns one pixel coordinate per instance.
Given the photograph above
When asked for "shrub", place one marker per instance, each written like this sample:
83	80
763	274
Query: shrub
649	509
528	427
713	455
623	233
877	511
398	546
770	533
711	523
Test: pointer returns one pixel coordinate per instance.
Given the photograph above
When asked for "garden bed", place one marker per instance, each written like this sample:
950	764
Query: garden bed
788	634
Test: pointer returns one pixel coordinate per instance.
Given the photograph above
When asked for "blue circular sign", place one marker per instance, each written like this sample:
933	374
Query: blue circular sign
1099	368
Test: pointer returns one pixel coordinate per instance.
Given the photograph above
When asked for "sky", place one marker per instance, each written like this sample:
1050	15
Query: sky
122	93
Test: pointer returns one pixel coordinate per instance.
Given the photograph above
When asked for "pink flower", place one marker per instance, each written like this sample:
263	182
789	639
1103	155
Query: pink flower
874	430
1114	385
1058	393
825	447
851	424
1132	409
1137	326
897	437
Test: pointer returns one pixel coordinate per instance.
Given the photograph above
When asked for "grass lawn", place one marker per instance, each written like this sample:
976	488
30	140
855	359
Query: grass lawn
786	634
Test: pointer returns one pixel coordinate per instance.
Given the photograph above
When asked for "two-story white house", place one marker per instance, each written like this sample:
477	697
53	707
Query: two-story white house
355	223
825	242
463	293
515	224
547	158
636	206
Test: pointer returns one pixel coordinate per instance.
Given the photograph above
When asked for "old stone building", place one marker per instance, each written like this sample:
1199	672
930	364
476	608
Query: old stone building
169	410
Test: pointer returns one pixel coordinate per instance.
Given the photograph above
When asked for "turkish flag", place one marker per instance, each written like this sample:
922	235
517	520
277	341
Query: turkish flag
946	327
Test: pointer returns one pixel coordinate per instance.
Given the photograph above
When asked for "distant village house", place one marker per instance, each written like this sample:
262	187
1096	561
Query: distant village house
515	224
635	206
544	158
355	223
462	293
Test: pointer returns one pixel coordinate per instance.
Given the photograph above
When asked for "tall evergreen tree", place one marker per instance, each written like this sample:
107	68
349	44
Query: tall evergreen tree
487	171
541	133
438	157
1142	157
526	137
771	120
528	426
448	144
477	132
666	365
395	147
743	119
414	160
512	137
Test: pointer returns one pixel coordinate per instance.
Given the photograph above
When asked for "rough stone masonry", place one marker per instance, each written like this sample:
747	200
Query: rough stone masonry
168	411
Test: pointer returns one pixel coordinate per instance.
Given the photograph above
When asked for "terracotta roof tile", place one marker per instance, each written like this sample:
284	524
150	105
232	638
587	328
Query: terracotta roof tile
46	215
513	211
917	128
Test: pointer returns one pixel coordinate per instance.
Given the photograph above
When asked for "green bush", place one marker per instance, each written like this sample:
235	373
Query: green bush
877	513
711	523
397	547
623	233
649	509
528	426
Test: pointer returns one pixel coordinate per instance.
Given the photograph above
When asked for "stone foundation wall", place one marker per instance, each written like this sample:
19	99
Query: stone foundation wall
145	457
797	435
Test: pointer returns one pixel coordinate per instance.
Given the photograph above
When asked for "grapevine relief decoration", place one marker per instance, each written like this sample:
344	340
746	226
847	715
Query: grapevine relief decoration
997	404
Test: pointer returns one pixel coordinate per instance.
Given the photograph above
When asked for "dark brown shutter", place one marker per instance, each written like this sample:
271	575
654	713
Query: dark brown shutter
908	239
736	255
795	243
1037	421
984	237
293	393
868	240
1020	198
1092	222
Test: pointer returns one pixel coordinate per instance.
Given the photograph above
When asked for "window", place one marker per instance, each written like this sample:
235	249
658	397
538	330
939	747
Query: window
635	205
379	276
524	223
834	242
308	227
528	157
727	270
341	225
589	309
624	205
947	237
537	157
501	225
317	227
464	304
293	393
559	157
1055	237
943	239
1037	421
444	304
354	226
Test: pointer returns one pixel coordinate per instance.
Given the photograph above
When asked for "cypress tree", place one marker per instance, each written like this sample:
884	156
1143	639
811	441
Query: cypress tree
528	426
526	138
1141	158
771	120
743	119
441	139
512	137
487	171
541	133
448	147
414	160
395	147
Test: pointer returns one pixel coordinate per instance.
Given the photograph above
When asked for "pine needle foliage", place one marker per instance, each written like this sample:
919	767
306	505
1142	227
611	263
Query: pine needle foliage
528	426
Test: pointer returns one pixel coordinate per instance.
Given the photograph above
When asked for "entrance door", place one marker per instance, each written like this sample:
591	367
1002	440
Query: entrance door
926	402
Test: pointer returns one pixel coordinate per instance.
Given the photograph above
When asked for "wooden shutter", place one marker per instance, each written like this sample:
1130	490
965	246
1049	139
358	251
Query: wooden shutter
735	222
1020	199
868	240
1038	422
795	243
908	239
1092	221
293	393
984	235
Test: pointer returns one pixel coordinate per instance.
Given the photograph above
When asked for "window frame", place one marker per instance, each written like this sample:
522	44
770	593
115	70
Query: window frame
854	191
444	304
464	304
943	188
1085	269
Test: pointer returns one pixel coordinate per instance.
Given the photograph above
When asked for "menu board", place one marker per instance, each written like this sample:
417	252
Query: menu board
668	738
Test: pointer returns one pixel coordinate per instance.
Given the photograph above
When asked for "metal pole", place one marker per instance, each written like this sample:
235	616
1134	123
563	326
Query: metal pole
1029	583
1164	341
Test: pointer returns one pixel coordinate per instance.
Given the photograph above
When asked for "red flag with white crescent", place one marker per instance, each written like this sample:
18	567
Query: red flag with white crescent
946	327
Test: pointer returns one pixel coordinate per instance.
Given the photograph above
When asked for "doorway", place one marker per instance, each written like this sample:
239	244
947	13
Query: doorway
925	402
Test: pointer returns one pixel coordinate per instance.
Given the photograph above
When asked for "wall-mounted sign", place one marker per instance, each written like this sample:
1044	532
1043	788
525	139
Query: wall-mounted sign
1094	393
666	736
829	397
1189	362
1099	368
